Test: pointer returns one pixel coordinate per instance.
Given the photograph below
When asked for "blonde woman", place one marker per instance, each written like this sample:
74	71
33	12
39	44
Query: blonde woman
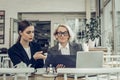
64	37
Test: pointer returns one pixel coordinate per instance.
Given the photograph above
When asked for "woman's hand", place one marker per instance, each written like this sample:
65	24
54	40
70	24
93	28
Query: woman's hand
39	55
60	66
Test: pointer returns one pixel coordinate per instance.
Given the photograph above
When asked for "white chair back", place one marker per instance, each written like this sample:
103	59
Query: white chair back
16	71
112	60
101	73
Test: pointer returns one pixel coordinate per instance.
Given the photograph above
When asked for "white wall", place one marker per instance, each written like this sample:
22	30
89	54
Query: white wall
117	3
12	7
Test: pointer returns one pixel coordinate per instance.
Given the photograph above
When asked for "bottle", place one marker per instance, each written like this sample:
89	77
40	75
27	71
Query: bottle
50	69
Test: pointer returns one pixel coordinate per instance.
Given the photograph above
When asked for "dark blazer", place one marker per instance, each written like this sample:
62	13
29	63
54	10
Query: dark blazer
74	47
18	54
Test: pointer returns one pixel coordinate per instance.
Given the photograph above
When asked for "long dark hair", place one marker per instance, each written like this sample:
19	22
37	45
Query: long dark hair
22	25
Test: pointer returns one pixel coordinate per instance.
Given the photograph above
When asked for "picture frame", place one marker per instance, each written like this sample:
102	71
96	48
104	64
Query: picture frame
2	26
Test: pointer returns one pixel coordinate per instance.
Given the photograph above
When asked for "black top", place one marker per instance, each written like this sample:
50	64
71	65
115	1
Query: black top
68	61
54	51
18	54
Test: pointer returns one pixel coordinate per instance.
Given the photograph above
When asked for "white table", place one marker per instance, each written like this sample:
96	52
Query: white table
16	71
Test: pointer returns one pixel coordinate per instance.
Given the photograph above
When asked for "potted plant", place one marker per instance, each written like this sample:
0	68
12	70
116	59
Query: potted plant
92	31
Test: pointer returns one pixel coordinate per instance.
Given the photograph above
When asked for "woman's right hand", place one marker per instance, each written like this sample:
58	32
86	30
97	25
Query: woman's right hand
39	55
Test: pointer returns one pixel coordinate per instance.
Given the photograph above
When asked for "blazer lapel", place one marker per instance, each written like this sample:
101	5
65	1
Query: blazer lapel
23	53
32	50
57	51
72	49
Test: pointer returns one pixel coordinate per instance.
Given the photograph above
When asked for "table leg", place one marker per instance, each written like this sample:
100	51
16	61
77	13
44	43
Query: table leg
15	78
65	76
4	76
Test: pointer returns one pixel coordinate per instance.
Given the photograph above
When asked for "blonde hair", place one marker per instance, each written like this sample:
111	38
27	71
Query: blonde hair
71	34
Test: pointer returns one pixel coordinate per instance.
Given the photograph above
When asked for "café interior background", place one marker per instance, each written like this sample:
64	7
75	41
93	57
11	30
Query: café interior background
50	13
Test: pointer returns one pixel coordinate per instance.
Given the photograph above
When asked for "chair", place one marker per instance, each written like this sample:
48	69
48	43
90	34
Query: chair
7	63
112	60
2	56
101	73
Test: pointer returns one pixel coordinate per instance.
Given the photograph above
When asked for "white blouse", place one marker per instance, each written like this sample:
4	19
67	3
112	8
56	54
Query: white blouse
64	50
28	52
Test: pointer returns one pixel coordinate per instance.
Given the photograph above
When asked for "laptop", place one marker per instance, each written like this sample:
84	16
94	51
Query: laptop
91	59
69	61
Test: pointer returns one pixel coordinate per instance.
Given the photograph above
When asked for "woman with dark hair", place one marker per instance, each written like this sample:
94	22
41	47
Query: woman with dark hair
25	50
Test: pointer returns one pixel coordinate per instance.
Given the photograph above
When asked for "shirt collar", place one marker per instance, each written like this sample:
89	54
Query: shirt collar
60	46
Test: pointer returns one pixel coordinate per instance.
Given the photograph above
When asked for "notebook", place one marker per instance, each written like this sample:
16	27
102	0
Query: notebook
68	60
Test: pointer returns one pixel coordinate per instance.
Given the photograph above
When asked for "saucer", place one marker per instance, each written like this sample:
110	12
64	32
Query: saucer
40	71
49	75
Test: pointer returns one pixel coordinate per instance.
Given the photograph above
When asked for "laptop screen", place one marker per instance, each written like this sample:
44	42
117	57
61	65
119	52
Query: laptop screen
68	60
